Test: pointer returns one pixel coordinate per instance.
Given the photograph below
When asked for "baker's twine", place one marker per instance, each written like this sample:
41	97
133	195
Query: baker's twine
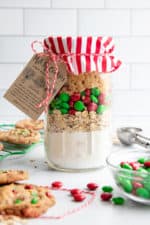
51	58
74	210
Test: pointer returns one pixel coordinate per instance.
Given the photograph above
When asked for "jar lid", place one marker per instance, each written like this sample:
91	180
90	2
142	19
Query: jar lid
85	54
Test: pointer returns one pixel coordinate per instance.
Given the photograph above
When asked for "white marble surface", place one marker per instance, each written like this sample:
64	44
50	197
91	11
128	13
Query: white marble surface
97	213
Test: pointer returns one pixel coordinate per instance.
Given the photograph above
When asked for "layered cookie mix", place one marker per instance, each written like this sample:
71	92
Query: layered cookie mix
81	105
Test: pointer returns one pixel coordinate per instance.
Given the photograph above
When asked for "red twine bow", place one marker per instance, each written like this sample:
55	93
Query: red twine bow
49	88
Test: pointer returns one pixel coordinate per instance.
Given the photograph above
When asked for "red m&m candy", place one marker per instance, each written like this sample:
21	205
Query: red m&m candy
106	196
87	92
92	186
57	184
79	197
75	97
92	106
75	191
147	164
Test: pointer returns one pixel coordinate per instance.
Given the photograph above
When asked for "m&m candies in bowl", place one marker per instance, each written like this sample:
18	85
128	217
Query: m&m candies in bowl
131	171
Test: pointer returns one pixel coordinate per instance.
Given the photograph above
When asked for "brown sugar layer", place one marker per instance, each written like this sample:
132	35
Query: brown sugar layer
78	83
81	121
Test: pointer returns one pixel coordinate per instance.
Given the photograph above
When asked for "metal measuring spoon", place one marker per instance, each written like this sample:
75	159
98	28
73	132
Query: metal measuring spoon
130	135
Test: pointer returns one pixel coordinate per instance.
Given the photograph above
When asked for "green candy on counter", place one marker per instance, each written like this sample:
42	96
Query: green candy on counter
79	106
95	91
94	99
100	109
64	97
142	192
107	189
118	200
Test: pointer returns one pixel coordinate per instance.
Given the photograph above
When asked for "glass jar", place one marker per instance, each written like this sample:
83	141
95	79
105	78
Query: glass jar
77	131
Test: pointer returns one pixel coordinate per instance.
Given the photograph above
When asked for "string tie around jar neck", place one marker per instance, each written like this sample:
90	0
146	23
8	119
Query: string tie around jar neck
51	58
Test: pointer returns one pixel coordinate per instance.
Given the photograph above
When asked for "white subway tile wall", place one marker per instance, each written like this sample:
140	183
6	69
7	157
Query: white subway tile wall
23	21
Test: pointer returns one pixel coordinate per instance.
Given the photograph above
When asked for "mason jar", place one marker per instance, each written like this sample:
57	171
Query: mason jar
78	121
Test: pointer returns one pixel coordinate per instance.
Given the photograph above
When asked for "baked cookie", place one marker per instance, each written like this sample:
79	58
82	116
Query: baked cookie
1	146
24	200
30	124
10	176
20	136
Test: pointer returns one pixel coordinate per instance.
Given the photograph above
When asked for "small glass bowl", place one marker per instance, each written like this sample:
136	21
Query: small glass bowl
132	183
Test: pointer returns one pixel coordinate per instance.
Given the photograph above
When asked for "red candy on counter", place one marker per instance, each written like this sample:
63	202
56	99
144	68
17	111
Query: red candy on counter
75	191
92	186
106	196
79	197
57	184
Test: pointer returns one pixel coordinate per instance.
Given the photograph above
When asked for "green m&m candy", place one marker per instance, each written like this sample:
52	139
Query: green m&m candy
126	185
142	160
95	91
147	185
142	172
64	111
79	106
100	109
34	200
64	97
107	189
142	192
64	105
126	166
18	201
118	201
93	99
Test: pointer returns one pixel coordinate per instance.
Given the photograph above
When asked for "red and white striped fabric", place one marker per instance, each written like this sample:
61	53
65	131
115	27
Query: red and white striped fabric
84	54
